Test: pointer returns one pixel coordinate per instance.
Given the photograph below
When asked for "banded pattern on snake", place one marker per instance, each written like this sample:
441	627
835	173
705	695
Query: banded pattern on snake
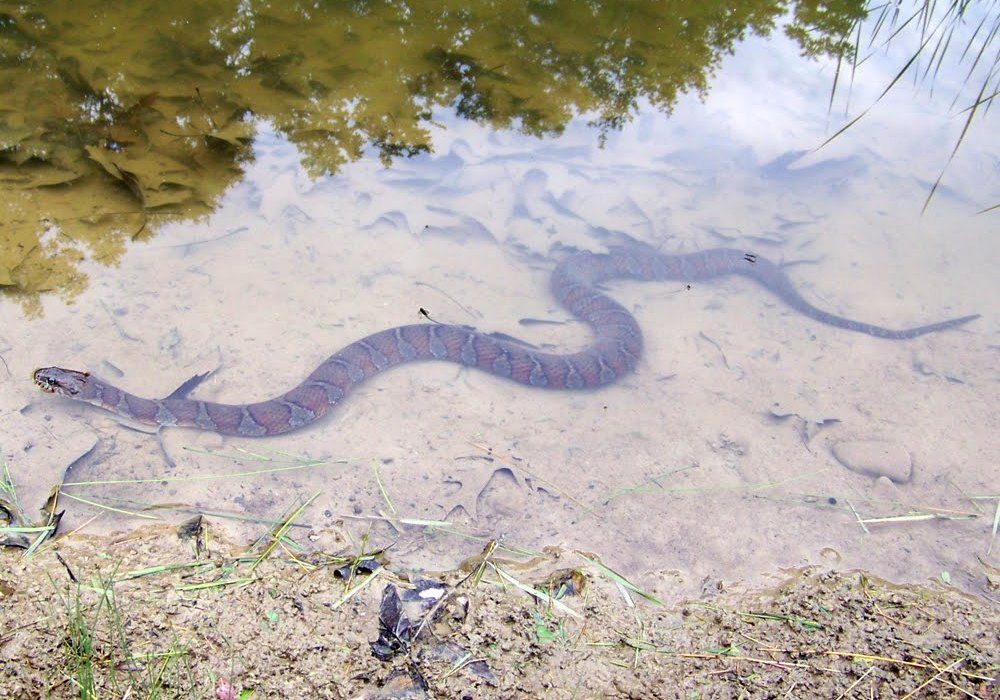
614	352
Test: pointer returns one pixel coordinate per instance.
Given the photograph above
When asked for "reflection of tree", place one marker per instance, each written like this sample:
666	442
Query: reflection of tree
147	111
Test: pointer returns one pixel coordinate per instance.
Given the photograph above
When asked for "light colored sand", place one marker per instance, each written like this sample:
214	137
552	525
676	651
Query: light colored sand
679	474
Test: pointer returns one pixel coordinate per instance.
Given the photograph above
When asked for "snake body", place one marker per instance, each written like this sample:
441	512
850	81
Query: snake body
575	282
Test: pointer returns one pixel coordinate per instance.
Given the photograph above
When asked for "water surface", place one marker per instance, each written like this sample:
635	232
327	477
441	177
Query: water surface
246	190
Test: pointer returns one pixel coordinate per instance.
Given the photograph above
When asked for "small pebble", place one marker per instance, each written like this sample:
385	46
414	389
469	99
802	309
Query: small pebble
885	490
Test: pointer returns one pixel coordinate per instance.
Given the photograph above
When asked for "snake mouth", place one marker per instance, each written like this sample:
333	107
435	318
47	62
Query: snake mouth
56	380
42	382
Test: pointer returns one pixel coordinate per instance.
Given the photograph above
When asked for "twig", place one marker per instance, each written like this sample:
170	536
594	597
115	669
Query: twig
853	685
950	667
858	516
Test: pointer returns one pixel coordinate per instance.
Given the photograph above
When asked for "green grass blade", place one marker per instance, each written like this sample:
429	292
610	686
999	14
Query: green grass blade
620	580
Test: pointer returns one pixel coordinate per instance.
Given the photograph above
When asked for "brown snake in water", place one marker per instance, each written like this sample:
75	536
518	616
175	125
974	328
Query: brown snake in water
575	282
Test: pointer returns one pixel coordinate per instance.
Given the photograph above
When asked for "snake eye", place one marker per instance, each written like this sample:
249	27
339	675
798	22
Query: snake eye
47	381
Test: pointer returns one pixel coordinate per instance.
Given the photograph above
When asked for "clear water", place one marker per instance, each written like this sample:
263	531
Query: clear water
232	214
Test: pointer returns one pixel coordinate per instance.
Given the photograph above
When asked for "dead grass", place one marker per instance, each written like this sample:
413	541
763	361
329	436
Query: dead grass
93	617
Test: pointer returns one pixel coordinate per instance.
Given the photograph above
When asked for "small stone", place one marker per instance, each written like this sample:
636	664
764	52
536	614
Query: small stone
876	458
885	490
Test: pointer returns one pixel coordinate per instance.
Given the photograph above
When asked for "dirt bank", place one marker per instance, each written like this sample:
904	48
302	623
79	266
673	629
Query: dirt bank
152	614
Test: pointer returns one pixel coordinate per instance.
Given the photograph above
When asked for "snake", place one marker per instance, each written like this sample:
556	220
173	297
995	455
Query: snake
576	283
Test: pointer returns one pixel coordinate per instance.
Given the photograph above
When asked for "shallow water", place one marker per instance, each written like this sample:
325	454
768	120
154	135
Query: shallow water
715	460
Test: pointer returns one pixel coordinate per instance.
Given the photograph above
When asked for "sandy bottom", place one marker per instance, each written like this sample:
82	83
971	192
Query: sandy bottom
750	440
716	458
167	613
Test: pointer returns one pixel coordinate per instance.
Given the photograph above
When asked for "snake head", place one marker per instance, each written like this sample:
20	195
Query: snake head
56	380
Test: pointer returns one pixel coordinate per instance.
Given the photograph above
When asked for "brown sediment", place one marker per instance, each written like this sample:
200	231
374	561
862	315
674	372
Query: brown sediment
152	613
